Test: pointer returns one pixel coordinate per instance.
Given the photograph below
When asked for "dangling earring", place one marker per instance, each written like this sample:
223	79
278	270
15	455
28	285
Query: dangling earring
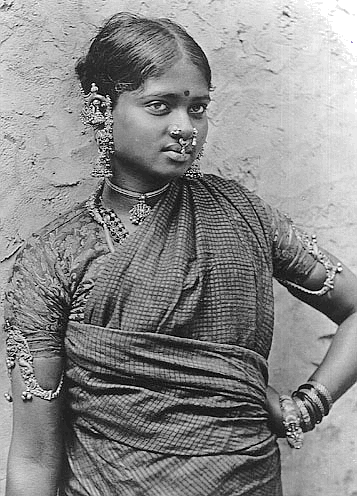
194	172
97	112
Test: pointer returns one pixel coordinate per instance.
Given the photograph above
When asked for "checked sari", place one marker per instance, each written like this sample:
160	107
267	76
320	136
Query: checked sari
166	342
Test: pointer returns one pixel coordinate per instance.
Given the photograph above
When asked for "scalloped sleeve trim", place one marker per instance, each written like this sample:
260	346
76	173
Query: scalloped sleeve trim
18	351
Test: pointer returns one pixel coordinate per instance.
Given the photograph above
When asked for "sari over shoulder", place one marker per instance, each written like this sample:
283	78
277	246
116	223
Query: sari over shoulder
200	267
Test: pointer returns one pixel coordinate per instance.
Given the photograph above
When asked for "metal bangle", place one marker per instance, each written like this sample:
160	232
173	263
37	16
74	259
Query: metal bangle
312	394
323	399
318	410
307	424
314	413
322	390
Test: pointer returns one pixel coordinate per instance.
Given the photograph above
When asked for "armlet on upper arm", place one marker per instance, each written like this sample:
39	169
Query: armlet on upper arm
310	244
18	351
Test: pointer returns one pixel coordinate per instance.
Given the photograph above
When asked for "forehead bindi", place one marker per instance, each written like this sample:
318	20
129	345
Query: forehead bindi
183	79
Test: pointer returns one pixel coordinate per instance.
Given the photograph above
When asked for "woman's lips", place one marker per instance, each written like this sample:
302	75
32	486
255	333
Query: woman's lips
174	152
177	156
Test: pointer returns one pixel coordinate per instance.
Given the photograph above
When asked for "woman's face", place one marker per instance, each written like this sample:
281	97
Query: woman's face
143	158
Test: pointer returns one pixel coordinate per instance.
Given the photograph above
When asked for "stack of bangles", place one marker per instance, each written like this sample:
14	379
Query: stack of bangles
305	408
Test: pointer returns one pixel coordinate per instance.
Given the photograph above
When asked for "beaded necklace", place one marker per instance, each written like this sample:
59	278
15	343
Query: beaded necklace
106	217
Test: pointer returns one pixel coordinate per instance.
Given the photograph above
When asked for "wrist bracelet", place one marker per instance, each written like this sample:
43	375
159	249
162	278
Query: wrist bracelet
313	401
313	397
323	392
305	419
309	406
310	403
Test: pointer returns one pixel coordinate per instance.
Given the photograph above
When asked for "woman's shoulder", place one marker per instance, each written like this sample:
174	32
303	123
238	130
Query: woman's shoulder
69	220
236	192
70	233
227	184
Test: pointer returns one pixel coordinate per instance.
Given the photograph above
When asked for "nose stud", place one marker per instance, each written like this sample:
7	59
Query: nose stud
175	132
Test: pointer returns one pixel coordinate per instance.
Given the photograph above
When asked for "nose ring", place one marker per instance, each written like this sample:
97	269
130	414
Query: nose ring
194	137
176	132
184	144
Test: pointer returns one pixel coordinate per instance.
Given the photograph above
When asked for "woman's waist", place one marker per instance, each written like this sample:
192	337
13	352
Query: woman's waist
98	344
168	422
165	393
102	359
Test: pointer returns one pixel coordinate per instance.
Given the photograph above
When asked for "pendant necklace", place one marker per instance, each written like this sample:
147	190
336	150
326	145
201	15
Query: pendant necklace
109	220
141	210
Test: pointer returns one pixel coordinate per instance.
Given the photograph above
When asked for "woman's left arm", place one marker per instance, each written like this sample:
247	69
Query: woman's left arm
319	279
338	370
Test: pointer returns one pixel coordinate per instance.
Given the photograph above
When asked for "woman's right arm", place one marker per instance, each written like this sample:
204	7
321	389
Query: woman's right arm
37	302
35	456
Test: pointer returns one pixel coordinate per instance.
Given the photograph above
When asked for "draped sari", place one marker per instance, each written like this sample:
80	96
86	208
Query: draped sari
166	375
165	341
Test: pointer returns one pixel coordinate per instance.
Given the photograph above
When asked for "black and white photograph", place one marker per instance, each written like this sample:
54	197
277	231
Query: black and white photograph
178	261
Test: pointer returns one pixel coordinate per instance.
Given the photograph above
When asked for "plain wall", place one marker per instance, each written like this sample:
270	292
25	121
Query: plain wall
282	121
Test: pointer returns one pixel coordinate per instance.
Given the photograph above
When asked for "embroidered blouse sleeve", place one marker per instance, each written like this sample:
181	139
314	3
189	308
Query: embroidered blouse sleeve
296	253
37	303
293	259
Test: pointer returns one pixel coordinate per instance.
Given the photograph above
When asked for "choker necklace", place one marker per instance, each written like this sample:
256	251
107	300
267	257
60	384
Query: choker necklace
141	210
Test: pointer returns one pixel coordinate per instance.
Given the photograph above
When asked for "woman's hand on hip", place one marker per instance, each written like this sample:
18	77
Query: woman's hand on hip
275	417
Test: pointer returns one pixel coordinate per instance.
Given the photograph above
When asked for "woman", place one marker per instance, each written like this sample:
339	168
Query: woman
139	324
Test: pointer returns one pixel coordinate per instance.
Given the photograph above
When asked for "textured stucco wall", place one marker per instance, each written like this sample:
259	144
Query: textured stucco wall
282	122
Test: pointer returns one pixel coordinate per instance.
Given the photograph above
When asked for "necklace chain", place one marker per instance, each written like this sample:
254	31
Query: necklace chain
135	194
141	210
108	218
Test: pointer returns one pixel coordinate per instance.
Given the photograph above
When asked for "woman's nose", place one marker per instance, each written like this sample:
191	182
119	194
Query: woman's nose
181	126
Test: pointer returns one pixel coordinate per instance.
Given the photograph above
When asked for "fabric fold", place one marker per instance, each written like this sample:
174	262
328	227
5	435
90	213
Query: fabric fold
166	394
199	266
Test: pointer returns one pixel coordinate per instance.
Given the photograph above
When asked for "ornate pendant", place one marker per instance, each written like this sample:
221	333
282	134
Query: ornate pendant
140	211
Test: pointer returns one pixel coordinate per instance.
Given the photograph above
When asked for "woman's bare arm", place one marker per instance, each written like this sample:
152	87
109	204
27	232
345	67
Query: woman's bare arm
338	370
35	455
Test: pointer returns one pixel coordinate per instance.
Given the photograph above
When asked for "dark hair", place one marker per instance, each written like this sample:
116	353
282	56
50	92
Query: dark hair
128	49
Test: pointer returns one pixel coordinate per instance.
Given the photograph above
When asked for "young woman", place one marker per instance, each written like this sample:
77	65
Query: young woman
139	324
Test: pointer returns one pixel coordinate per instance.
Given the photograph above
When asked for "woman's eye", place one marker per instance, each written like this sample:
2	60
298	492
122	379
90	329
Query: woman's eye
158	107
198	109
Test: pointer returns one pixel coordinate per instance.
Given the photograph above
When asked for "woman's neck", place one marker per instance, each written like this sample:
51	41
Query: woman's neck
137	183
122	200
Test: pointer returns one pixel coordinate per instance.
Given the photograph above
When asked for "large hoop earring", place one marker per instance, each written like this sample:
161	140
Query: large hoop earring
194	172
97	112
